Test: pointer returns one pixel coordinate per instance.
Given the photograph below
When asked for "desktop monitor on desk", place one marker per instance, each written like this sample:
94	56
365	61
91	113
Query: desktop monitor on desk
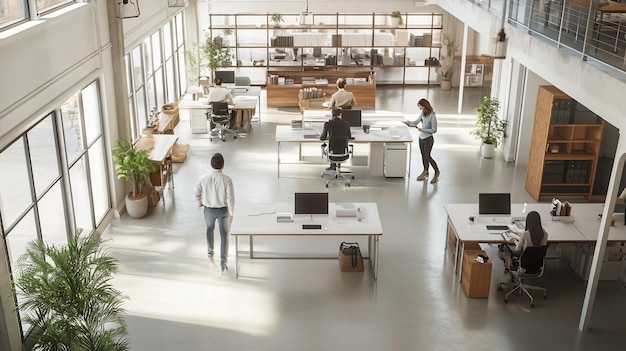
353	117
228	77
494	204
311	203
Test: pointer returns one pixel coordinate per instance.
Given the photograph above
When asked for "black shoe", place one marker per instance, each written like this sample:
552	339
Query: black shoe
211	253
331	168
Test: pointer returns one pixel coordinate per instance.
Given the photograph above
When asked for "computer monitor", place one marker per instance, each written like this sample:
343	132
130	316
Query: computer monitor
353	117
494	204
228	77
311	203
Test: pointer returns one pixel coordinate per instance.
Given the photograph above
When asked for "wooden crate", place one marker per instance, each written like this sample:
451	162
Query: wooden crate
476	277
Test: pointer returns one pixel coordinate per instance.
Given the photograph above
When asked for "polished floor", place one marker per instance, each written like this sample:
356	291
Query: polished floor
177	299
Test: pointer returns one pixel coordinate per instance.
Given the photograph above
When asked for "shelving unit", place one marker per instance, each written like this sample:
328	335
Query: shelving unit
565	146
335	42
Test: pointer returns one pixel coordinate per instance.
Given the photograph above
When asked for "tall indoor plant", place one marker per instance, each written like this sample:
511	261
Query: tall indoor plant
209	55
491	130
134	166
446	70
65	294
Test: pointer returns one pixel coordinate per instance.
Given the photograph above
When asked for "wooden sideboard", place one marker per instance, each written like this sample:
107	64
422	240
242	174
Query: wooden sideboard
286	95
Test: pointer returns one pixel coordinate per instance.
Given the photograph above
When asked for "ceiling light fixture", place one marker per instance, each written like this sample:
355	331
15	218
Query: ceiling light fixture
306	17
128	9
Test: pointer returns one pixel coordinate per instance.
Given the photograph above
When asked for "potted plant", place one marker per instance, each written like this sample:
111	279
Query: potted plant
446	68
65	294
396	19
277	18
134	166
491	130
210	55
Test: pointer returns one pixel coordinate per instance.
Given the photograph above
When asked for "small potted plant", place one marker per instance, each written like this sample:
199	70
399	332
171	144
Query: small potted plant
396	19
134	166
491	130
277	18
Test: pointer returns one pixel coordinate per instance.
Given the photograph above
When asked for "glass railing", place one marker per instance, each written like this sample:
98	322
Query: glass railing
589	33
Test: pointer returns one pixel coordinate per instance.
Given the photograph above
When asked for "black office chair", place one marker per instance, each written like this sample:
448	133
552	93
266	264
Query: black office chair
338	152
530	265
220	116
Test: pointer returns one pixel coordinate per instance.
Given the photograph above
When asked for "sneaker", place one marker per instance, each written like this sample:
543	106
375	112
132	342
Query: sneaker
224	270
331	168
211	253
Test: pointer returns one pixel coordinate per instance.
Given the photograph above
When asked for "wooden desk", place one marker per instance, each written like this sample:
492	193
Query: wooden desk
398	133
161	145
260	220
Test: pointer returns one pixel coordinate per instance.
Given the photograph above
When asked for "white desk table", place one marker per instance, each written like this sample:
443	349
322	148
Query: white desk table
260	220
460	230
376	138
245	105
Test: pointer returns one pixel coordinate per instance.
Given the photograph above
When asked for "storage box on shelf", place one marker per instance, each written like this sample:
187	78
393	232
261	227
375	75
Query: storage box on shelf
332	42
565	146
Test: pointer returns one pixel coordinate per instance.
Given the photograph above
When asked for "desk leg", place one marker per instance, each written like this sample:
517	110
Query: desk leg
374	257
460	262
278	155
163	182
410	156
236	256
251	247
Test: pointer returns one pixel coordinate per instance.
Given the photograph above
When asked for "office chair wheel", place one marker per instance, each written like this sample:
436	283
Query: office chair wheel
500	288
532	305
348	184
353	177
327	185
506	300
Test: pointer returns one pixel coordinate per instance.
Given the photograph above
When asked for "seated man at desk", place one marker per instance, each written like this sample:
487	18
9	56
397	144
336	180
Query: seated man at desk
342	98
335	127
220	94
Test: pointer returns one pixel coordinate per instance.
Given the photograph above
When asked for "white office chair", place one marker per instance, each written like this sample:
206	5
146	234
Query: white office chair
220	116
338	152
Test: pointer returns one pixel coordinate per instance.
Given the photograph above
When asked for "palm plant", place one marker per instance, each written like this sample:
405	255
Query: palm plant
133	165
67	296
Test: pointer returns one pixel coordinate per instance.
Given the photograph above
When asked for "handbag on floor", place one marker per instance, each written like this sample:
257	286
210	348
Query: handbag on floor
350	258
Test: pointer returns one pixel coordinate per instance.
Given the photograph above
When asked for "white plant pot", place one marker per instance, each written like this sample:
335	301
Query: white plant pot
487	150
446	84
395	22
136	208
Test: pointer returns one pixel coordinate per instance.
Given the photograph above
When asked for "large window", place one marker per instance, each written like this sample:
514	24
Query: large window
13	12
35	199
155	69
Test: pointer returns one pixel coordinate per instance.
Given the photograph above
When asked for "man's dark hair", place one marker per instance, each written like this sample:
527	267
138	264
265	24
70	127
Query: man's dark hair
217	161
218	81
336	112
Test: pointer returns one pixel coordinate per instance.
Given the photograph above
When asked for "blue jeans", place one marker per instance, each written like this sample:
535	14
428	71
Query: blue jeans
221	215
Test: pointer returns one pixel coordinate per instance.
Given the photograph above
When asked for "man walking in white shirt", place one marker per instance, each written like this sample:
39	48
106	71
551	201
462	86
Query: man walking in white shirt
215	192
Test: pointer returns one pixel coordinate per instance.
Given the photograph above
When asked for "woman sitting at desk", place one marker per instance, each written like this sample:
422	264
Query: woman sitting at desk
534	235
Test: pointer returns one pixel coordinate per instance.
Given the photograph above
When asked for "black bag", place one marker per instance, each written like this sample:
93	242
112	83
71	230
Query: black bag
350	259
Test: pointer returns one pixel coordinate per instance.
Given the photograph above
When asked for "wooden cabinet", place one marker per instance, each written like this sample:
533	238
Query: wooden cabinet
332	42
360	83
476	276
565	146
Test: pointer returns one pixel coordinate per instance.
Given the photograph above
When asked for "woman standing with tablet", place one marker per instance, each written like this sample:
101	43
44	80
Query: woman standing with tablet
428	118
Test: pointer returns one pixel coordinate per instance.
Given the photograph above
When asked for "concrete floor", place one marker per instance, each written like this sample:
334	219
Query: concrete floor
179	301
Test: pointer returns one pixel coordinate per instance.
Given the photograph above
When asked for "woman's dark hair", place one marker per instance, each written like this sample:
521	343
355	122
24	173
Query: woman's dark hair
336	112
217	161
218	81
426	105
533	225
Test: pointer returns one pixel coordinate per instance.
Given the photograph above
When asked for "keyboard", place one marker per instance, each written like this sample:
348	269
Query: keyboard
495	228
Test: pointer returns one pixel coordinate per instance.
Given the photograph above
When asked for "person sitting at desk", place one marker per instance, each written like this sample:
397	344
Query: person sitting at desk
220	94
342	98
534	235
335	127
